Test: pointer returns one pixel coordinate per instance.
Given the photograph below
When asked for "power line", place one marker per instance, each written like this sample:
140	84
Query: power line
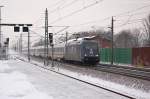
91	22
107	18
36	33
67	5
118	15
131	11
60	8
75	12
97	1
57	3
38	19
129	22
61	30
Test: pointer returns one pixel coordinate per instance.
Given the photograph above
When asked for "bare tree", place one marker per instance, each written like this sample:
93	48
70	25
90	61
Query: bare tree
137	37
146	25
125	39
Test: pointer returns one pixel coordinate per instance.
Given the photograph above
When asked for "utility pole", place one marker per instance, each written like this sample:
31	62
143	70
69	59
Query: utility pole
112	41
29	45
66	42
52	55
21	43
52	45
17	45
66	37
46	38
0	27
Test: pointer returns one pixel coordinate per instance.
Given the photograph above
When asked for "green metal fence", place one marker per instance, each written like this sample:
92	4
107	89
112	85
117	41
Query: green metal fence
105	55
121	55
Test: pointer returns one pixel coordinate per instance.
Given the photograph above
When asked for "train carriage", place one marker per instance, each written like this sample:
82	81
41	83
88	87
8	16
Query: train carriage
79	50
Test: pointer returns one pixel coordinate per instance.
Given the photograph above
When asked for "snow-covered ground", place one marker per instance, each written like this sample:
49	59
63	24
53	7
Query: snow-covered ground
131	91
22	80
15	85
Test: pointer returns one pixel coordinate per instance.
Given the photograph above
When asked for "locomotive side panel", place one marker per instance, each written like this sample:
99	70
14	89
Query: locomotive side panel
73	52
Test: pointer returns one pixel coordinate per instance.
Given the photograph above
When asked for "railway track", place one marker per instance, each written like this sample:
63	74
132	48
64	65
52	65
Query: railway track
139	73
127	71
50	69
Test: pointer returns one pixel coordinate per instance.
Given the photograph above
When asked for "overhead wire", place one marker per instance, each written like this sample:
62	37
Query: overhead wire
74	12
130	22
131	11
63	7
57	3
119	15
38	19
77	10
56	10
36	33
61	30
93	21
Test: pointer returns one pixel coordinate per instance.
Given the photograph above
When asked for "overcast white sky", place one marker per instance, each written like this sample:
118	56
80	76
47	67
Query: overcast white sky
32	11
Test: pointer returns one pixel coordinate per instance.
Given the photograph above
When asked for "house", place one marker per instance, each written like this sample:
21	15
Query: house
103	41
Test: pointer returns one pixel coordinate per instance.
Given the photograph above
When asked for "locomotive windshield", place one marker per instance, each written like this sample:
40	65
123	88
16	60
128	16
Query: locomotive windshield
91	49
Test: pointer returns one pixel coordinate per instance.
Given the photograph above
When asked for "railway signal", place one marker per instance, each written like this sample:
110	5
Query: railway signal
25	29
5	43
51	38
16	28
7	40
51	44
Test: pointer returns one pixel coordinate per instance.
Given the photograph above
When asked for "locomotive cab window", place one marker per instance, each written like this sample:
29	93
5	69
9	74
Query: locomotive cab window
90	49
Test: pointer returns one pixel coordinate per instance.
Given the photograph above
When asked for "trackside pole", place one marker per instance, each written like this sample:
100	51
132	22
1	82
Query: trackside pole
52	55
28	46
52	46
46	39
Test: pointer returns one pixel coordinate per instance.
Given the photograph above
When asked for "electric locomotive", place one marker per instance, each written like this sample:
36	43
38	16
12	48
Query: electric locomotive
78	50
82	50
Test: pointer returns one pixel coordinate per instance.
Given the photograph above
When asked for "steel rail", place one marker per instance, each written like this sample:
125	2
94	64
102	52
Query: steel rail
126	71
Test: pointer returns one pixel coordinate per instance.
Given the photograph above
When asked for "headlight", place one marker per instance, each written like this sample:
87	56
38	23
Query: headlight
96	55
85	55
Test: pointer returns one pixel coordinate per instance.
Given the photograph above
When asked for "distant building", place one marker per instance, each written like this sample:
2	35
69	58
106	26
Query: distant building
103	41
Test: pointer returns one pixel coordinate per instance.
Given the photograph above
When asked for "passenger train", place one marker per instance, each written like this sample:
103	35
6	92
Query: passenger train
78	50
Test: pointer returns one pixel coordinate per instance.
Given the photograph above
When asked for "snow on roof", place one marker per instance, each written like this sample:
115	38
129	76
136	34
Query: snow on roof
81	39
